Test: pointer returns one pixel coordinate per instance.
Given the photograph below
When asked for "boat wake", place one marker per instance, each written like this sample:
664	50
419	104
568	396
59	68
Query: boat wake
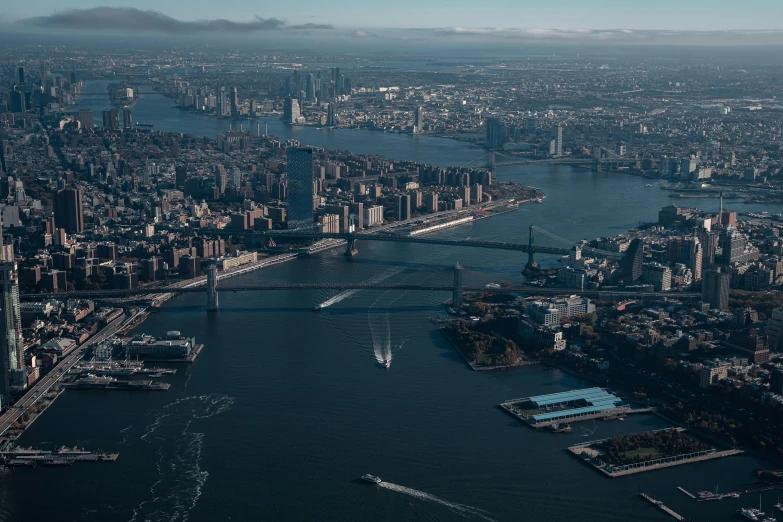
588	432
380	329
350	293
179	477
460	509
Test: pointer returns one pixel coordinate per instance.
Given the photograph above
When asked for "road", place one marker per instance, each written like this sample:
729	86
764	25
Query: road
44	384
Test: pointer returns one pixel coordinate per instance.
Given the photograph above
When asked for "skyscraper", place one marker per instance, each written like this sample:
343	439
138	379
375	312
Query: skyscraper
21	76
86	118
181	175
402	207
234	102
417	120
631	263
12	369
300	186
111	119
495	135
715	289
68	213
291	110
557	137
127	119
330	120
695	259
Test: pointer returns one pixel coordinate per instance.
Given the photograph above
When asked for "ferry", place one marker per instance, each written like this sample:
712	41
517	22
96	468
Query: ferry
372	479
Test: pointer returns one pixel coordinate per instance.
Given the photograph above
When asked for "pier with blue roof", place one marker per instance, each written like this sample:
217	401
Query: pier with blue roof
569	406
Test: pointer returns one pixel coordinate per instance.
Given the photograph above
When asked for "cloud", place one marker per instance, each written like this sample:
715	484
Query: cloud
362	34
311	26
603	35
129	18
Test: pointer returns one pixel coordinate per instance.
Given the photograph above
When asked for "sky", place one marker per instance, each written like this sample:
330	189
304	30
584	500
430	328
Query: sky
697	15
410	22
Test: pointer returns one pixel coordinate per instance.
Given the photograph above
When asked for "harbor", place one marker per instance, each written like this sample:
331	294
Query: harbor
14	457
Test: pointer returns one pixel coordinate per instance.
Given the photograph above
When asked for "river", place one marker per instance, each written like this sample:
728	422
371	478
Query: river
286	408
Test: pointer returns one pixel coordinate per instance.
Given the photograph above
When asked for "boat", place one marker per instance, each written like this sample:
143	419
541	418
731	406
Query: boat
144	124
561	428
156	375
318	307
778	506
387	363
648	185
371	478
752	514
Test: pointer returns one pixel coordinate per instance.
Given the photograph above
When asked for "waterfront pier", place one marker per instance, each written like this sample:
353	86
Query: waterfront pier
660	505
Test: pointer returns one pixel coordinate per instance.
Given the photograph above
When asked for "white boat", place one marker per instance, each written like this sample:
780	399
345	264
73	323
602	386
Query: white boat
752	514
779	506
387	363
372	479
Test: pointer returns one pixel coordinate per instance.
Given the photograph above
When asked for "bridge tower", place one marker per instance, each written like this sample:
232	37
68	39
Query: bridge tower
456	296
212	293
531	260
492	163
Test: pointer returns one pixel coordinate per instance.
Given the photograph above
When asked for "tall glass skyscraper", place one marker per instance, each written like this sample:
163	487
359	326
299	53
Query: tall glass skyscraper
12	369
300	187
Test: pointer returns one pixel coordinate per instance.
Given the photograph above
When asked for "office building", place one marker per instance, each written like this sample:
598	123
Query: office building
715	289
776	382
127	119
181	175
291	111
13	375
68	214
495	134
300	186
557	138
658	275
234	102
402	207
86	118
631	262
21	76
111	119
330	119
775	330
417	120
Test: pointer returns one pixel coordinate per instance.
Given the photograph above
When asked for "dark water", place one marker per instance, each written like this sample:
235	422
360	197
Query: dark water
286	408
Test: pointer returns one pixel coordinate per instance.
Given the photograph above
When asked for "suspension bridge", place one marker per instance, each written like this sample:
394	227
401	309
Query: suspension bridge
457	289
530	248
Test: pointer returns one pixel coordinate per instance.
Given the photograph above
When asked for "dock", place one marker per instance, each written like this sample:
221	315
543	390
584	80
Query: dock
686	492
11	456
660	505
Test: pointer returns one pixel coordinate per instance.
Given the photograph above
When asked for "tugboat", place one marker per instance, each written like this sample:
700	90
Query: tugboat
372	479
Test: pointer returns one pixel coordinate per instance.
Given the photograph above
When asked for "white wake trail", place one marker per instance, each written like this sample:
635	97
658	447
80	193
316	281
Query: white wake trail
460	509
